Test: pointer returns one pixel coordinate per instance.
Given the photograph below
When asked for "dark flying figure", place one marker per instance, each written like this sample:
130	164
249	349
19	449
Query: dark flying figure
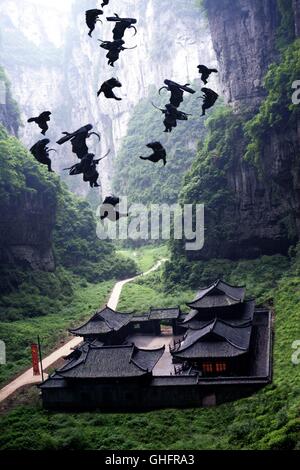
78	140
114	49
158	154
88	167
105	2
177	91
107	88
121	25
108	209
209	99
205	73
91	174
41	152
41	121
91	18
172	115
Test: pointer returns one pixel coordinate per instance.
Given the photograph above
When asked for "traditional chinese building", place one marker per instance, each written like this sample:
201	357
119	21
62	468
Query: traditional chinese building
107	326
219	332
114	374
224	352
152	321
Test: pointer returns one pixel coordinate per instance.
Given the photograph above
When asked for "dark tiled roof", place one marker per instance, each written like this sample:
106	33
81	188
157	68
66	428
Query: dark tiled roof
225	340
219	294
111	362
53	381
140	318
198	319
104	321
172	313
164	313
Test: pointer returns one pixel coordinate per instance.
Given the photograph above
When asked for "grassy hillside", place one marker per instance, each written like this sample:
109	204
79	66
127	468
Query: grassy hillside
52	328
267	420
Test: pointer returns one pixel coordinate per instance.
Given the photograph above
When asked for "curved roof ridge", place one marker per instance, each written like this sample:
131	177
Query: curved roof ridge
236	345
131	360
215	284
89	320
234	326
230	341
146	350
82	358
212	327
194	328
99	317
208	327
151	350
112	310
79	327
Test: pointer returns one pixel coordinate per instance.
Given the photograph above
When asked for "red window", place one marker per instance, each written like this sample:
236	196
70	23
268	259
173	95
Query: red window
209	367
220	367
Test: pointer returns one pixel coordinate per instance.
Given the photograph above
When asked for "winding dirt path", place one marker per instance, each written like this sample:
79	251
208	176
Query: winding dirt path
28	378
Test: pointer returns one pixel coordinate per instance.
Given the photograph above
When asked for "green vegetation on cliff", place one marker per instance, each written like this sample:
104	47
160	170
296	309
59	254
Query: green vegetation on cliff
146	182
52	326
235	142
207	182
277	112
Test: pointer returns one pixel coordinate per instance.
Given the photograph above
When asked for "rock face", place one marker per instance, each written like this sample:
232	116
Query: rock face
69	67
26	227
243	34
9	113
296	8
265	211
26	221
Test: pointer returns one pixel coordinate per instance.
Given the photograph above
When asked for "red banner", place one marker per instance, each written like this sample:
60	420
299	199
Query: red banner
35	359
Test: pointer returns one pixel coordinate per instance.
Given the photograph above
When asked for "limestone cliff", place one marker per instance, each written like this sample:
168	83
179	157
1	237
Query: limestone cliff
61	68
9	112
244	37
263	210
26	226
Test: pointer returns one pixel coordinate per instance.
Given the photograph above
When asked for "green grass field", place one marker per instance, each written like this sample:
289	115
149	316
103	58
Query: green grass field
147	256
142	294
